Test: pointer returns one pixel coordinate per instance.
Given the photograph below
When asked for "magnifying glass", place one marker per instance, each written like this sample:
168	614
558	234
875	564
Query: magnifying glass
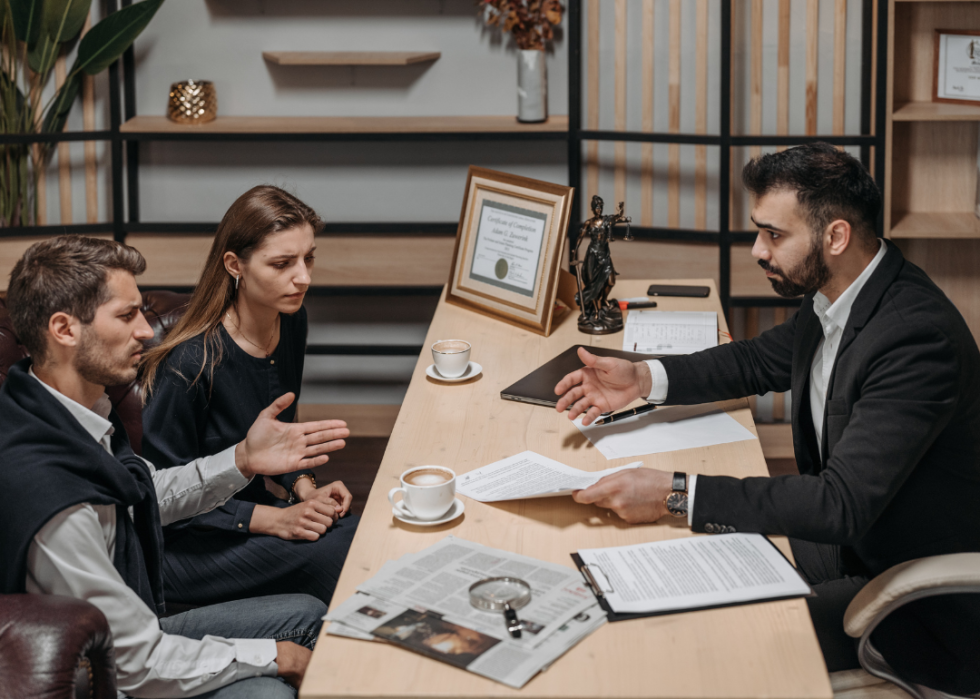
502	595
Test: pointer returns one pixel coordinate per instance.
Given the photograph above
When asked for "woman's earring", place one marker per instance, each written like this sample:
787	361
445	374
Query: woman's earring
236	282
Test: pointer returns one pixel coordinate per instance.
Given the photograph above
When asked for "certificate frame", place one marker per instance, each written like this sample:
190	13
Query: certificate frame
944	68
507	258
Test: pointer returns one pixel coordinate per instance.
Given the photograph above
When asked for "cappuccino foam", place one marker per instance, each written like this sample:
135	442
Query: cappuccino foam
427	476
451	346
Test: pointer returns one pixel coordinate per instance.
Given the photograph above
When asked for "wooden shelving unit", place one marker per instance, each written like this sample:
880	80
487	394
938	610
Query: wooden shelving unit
930	148
350	58
346	125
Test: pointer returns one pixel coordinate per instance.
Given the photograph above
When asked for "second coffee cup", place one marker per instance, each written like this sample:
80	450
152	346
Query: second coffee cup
427	492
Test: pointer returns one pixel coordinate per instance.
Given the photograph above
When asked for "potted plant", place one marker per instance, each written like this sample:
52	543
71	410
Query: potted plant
32	36
531	22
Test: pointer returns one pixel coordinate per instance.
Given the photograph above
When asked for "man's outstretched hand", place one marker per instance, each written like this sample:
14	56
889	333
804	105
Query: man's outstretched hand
272	447
604	384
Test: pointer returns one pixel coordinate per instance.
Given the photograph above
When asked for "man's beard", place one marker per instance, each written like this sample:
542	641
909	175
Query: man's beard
808	276
94	362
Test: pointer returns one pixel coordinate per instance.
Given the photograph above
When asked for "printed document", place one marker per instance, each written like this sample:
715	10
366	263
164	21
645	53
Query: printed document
670	332
692	573
528	475
670	428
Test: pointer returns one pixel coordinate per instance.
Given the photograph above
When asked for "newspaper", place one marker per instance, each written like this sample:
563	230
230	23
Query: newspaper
421	602
528	475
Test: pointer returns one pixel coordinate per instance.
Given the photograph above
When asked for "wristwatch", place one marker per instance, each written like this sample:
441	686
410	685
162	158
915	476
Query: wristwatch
676	501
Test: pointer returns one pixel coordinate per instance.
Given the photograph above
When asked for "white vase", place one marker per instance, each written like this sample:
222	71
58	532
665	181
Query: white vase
532	86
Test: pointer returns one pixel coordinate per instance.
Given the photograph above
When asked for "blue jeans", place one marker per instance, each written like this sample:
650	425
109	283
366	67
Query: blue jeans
293	618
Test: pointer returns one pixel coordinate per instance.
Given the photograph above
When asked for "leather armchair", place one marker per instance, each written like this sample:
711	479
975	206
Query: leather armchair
54	647
59	647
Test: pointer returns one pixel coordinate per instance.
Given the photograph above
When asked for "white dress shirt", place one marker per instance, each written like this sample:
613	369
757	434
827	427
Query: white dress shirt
72	555
833	317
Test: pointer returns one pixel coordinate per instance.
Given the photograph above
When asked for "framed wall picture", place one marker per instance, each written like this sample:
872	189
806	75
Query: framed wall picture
957	76
509	245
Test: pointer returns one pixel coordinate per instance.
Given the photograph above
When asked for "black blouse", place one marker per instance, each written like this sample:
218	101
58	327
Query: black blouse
182	422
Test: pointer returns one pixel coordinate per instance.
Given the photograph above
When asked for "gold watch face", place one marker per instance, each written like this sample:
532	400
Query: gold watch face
677	504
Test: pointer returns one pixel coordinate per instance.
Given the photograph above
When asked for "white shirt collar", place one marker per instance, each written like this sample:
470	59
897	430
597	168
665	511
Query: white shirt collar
835	314
94	421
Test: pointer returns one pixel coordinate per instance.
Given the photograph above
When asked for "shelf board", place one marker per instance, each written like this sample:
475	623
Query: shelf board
936	111
346	125
349	58
936	225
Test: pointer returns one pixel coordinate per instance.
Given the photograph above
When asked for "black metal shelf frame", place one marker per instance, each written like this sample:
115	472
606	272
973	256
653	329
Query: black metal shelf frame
125	147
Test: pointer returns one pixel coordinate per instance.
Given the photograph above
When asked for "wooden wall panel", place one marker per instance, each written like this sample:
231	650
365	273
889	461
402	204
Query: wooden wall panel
341	261
934	166
641	259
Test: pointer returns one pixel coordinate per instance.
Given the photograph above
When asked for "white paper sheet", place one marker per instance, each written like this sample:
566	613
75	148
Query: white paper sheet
670	332
528	475
665	429
692	573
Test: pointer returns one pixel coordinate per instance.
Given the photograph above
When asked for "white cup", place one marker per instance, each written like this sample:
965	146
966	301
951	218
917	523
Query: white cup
451	357
427	493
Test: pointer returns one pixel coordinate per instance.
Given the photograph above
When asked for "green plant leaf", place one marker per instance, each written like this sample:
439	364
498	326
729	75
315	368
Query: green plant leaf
41	58
27	19
54	120
63	19
107	40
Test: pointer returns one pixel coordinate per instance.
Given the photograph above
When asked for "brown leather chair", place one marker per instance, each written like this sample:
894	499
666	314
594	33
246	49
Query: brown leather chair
59	647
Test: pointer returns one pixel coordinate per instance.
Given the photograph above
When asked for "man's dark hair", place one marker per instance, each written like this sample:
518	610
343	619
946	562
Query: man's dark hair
829	185
64	274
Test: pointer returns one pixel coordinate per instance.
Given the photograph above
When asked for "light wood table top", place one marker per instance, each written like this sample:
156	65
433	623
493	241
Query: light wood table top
759	650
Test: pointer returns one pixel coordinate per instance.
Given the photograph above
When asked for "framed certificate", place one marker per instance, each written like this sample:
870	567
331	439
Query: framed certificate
508	248
957	67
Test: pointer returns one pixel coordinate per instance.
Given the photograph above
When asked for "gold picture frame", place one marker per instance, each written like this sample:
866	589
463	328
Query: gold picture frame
507	258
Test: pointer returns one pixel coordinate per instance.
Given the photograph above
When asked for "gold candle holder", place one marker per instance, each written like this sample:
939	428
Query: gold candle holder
192	102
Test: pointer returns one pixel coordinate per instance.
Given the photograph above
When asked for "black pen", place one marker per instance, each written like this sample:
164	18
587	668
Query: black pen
629	305
626	413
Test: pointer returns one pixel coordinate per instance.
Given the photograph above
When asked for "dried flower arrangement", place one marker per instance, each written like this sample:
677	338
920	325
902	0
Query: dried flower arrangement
530	21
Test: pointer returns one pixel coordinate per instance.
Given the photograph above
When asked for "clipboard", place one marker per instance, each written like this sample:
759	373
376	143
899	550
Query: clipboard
599	584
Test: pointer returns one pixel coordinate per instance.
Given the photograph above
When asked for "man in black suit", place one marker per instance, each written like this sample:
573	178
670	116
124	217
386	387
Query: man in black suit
885	378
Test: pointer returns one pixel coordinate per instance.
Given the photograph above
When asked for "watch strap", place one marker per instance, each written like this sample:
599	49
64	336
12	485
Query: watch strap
679	483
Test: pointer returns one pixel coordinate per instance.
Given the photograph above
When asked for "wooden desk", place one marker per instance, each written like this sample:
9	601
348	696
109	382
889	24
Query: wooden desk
761	650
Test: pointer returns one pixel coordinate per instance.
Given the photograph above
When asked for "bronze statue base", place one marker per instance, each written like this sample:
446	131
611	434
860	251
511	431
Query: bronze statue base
609	321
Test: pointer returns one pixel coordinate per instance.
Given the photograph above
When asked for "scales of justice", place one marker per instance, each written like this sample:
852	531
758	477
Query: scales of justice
595	274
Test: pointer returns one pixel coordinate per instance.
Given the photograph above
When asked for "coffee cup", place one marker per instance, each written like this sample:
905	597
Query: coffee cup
451	357
427	492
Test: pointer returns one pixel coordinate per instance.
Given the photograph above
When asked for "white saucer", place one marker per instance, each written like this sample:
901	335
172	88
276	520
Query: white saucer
472	369
455	511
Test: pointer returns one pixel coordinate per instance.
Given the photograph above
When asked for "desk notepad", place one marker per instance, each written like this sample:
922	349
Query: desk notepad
670	332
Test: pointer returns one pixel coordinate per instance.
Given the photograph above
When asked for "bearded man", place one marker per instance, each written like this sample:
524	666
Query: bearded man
885	380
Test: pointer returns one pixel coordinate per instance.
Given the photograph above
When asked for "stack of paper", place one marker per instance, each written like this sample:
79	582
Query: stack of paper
421	602
670	332
528	475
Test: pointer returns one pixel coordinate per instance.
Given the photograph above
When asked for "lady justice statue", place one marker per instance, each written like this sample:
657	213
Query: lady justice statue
595	274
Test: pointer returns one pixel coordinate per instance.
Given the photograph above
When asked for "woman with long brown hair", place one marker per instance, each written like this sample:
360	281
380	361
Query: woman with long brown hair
240	345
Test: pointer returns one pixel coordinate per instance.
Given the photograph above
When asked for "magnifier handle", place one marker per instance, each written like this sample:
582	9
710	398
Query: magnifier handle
514	624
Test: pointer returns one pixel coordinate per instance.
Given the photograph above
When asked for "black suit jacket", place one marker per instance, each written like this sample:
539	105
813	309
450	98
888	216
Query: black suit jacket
900	474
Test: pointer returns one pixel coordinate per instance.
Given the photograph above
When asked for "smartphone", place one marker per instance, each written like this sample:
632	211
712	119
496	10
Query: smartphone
700	292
